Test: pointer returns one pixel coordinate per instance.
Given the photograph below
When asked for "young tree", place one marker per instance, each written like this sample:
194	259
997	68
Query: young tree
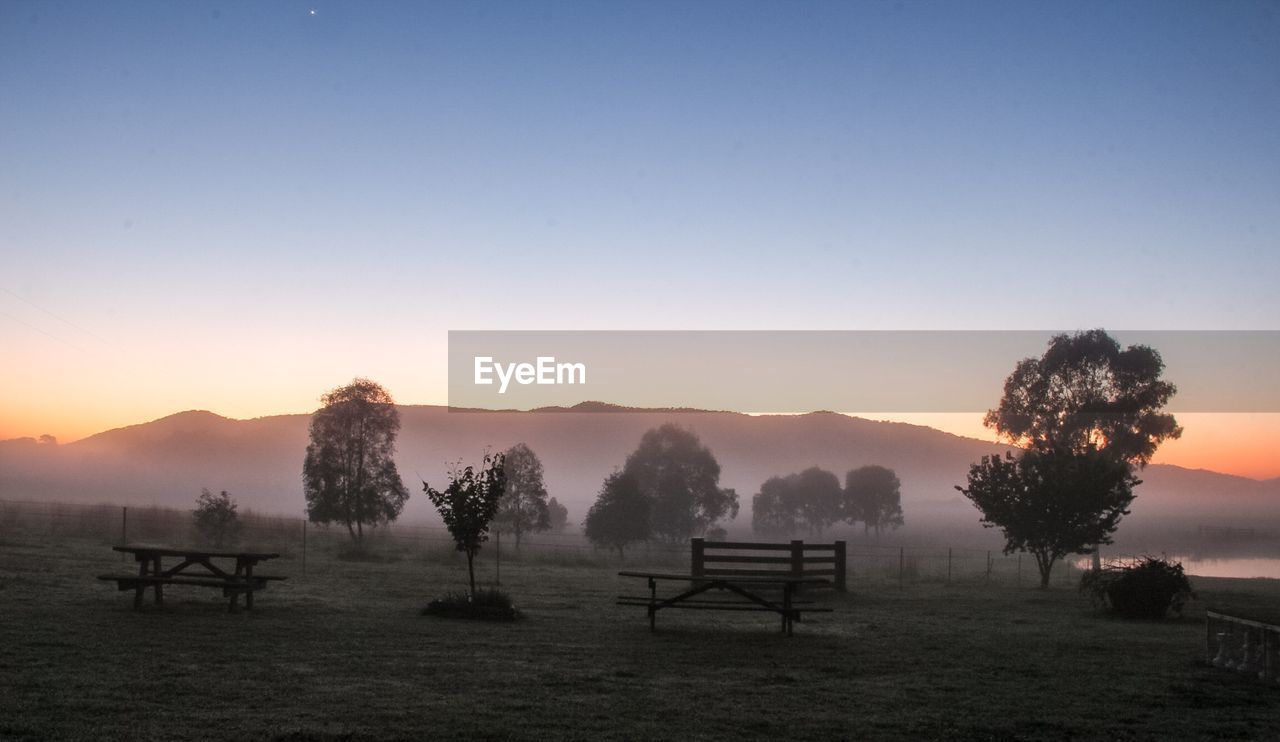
468	504
872	494
216	518
1051	503
620	515
557	515
524	504
680	477
349	475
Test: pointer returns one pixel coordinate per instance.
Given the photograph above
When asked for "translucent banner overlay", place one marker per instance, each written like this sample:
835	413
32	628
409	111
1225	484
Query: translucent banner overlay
841	371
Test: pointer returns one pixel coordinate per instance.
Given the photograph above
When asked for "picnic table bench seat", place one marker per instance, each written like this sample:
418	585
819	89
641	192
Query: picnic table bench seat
128	582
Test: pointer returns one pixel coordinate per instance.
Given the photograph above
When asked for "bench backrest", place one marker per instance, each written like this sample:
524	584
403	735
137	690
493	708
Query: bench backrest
747	559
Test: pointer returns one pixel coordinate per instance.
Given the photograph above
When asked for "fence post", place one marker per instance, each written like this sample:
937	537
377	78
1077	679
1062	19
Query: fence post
696	545
1019	568
840	566
304	546
948	565
797	558
124	530
988	565
497	569
902	558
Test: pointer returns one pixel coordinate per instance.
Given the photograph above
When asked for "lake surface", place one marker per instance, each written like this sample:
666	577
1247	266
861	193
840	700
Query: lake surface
1235	567
1225	567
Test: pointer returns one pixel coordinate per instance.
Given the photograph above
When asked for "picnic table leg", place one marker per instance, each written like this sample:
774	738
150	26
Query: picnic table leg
235	594
248	581
155	570
653	599
140	588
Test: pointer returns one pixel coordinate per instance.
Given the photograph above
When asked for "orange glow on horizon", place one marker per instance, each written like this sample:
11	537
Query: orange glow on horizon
1245	444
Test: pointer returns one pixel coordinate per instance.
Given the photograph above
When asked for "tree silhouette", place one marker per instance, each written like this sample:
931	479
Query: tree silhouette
468	504
774	507
1085	394
557	515
680	477
620	515
873	495
819	498
216	518
524	504
349	475
810	500
1051	503
1086	412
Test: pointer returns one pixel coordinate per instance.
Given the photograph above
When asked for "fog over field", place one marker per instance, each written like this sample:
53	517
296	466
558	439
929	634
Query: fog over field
259	461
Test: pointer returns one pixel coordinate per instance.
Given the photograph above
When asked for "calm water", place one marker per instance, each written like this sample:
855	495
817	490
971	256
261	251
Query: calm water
1252	567
1233	567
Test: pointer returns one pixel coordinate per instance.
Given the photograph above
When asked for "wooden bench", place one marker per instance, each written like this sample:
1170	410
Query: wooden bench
741	559
197	568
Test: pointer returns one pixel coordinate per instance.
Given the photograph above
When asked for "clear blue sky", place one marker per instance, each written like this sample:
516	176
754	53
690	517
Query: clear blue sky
246	200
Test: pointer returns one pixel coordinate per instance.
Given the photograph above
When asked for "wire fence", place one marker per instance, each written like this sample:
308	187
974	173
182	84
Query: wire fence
305	546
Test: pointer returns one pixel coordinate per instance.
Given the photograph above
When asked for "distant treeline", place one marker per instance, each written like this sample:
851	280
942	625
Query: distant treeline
813	501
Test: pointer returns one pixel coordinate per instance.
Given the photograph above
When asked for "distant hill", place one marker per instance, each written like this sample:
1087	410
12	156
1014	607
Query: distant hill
259	461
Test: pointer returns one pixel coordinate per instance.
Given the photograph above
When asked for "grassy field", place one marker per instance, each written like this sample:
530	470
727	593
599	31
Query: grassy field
342	653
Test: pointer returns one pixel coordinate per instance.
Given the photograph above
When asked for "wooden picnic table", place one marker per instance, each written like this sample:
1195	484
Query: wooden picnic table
196	567
749	591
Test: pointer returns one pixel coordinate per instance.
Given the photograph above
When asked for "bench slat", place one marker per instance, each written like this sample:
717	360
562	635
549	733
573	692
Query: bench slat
781	560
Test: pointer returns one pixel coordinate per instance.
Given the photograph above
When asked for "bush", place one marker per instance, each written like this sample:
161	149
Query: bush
216	518
1148	588
486	605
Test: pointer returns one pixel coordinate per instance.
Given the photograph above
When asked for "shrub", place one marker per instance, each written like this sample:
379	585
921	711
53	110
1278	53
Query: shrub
485	605
216	518
1148	588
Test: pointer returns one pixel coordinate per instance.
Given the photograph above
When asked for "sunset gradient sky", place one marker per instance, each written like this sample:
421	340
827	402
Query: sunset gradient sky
235	206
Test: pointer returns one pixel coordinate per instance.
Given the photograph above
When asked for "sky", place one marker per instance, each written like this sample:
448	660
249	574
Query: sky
237	206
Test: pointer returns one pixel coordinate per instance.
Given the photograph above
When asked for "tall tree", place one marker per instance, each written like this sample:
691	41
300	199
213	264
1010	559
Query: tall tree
1086	393
523	508
468	504
774	507
681	479
349	474
1051	503
819	499
810	500
1086	412
557	515
873	495
620	515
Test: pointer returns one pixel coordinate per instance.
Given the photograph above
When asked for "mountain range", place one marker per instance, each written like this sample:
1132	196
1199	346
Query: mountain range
259	461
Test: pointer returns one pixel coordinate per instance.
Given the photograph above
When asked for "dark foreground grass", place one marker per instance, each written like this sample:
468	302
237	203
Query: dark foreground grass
342	653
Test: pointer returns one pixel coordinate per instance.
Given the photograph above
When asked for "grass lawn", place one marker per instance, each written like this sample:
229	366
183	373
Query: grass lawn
342	653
